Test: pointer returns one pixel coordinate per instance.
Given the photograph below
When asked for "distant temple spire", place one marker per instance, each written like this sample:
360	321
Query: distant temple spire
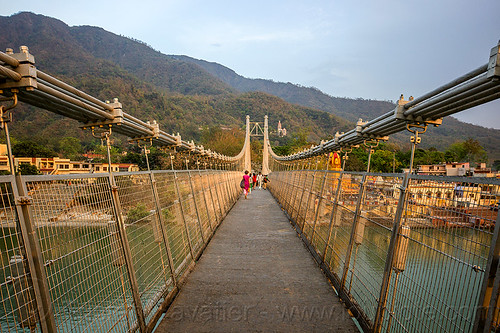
281	131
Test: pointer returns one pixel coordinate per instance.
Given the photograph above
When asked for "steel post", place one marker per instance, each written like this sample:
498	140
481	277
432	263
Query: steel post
488	310
224	188
384	289
204	197
286	188
306	174
294	176
353	230
318	206
195	203
333	217
161	221
127	254
307	200
217	192
182	209
212	198
34	257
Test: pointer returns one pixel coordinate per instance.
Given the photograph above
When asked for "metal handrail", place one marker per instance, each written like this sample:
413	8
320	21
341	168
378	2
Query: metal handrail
56	96
472	89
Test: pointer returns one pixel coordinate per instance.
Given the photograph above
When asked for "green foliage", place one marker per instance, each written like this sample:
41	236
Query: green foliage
387	157
469	150
256	151
168	215
353	109
137	213
31	149
282	150
293	143
101	149
27	169
184	94
357	160
225	141
384	161
70	147
496	165
134	158
423	156
157	159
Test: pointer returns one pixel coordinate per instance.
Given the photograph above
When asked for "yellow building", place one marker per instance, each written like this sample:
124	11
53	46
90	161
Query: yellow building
62	166
444	169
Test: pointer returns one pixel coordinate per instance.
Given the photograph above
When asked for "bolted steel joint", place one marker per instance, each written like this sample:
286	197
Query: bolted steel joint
23	74
494	63
24	201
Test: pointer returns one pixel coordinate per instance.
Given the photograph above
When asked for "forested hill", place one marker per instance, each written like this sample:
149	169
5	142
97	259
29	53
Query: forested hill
351	109
354	109
185	94
181	96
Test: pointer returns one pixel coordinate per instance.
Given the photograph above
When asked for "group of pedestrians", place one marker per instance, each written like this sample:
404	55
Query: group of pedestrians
253	181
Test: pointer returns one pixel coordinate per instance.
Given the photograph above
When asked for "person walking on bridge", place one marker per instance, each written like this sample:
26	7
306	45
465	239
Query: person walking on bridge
265	181
259	180
246	179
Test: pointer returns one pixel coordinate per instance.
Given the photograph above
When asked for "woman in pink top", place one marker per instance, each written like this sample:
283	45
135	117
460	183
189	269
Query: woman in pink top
246	177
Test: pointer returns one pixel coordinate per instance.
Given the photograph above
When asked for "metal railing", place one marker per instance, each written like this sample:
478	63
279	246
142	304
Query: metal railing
103	252
21	81
99	253
406	253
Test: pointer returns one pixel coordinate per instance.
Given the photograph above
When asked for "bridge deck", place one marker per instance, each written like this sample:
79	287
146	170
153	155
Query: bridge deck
256	276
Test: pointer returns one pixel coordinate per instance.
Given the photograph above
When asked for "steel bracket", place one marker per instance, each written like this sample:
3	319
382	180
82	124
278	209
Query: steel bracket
24	201
26	70
410	119
399	110
5	113
370	137
28	83
494	63
117	114
23	56
156	134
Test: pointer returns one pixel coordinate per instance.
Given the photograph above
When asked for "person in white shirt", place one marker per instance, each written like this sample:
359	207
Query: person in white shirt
259	180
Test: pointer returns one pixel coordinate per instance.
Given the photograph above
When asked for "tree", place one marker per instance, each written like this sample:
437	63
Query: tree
354	163
383	161
103	150
256	149
27	169
466	151
70	147
31	149
227	142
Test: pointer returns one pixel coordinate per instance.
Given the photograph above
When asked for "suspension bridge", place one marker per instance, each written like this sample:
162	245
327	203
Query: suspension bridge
176	250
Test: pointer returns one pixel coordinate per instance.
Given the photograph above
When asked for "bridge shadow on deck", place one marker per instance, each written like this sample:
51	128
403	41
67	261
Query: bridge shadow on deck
256	276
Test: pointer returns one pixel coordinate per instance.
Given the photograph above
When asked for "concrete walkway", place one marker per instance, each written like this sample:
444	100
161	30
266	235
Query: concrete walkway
256	276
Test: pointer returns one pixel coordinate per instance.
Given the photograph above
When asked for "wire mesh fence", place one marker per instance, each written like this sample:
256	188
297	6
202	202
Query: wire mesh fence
111	247
407	253
18	311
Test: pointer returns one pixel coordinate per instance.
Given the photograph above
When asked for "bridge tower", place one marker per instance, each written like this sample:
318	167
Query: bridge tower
248	160
265	152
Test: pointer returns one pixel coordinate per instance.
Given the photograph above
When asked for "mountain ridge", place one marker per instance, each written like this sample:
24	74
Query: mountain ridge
185	92
351	109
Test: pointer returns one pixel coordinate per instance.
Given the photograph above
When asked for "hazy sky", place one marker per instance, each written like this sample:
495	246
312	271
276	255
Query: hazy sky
373	49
